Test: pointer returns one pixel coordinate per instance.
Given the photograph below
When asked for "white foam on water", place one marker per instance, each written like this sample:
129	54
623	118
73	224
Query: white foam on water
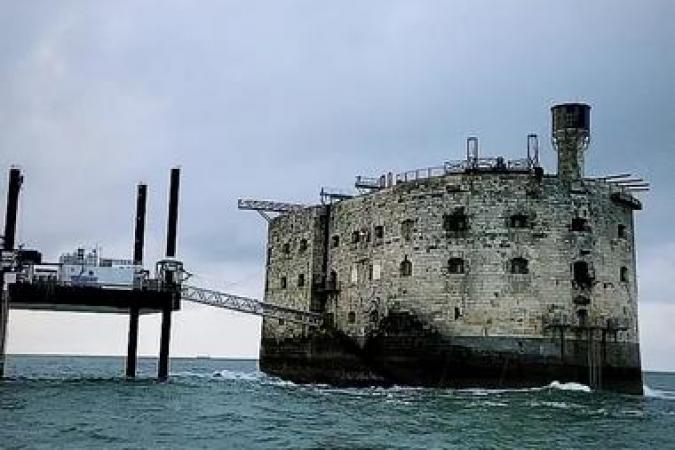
658	393
236	375
571	386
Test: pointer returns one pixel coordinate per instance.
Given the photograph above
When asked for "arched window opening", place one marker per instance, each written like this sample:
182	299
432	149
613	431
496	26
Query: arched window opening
582	274
407	229
455	222
303	245
283	282
623	274
406	267
335	241
621	231
351	317
518	221
519	266
301	280
455	265
579	224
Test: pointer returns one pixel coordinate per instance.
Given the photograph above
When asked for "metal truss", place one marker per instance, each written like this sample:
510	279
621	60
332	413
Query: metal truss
264	207
249	305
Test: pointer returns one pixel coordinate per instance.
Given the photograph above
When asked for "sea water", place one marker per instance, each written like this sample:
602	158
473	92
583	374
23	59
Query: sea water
85	402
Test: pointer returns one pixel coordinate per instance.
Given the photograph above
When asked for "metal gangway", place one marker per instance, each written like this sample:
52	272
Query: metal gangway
249	305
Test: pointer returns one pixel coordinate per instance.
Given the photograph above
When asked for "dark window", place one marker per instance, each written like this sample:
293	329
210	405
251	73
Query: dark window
457	313
456	265
351	317
355	237
303	245
582	317
281	321
623	274
301	280
407	228
287	248
269	254
405	268
328	319
518	221
519	265
579	224
621	231
581	300
379	232
283	282
455	222
582	274
335	241
332	280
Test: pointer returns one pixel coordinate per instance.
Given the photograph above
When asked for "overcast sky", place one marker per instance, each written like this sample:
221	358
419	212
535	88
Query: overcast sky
276	99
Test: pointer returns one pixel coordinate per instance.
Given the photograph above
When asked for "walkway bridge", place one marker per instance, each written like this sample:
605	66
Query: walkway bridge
248	305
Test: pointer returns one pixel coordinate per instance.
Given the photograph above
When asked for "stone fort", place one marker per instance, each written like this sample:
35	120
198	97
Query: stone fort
483	271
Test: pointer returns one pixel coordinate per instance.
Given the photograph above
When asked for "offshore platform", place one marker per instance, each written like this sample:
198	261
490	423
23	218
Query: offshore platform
88	283
479	272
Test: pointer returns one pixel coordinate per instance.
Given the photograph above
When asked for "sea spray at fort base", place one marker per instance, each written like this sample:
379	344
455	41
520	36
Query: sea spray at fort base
84	402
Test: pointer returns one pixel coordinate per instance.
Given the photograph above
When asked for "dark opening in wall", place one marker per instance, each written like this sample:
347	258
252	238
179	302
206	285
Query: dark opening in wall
407	228
303	245
335	241
582	317
301	280
582	274
355	236
351	317
455	222
332	280
456	265
519	221
379	232
579	224
519	266
623	274
281	321
405	268
283	282
621	231
286	248
328	320
457	313
581	300
269	254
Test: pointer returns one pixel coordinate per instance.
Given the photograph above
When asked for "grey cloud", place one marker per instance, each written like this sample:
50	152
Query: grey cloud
276	99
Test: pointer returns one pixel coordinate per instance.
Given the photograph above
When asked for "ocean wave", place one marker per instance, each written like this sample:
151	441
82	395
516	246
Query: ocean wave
570	386
658	393
226	374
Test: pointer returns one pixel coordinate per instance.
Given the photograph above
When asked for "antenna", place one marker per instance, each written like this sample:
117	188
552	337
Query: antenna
533	150
472	151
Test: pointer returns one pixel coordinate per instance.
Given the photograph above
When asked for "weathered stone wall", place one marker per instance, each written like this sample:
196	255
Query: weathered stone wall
508	216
